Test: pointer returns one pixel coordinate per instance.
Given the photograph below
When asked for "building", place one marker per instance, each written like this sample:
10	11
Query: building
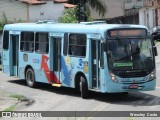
147	12
131	10
13	10
114	9
31	10
122	11
153	4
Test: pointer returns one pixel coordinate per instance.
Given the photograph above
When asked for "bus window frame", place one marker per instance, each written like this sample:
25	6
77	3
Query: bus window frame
143	37
77	45
65	44
102	55
47	43
27	51
5	49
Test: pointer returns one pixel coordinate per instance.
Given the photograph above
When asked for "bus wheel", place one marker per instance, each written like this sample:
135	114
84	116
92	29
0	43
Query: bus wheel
83	87
30	78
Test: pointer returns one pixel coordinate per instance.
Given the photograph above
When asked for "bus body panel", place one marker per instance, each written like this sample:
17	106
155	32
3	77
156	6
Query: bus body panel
66	72
69	67
5	62
10	56
37	63
126	84
118	88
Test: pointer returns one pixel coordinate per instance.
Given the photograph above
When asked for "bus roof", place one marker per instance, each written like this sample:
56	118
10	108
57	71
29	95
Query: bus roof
67	27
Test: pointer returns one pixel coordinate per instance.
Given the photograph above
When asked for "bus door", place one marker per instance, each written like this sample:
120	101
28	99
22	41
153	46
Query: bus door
57	56
14	54
95	58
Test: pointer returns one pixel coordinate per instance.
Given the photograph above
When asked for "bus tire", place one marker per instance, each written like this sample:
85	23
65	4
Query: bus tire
30	78
83	87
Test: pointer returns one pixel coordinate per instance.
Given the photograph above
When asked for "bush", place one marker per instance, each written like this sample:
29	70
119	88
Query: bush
70	15
3	21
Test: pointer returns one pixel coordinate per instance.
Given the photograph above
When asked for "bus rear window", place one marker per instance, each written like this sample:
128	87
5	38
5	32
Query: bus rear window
5	40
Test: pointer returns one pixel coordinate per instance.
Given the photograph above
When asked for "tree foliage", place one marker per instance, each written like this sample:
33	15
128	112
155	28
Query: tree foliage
71	16
3	21
94	4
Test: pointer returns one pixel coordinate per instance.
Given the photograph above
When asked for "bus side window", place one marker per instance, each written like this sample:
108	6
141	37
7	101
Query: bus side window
5	40
77	45
27	41
102	56
42	42
65	45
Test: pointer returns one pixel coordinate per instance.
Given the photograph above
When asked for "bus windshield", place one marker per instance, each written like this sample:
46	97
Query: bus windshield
130	54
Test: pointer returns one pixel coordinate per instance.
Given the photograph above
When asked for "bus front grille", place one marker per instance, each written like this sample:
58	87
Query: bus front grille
130	74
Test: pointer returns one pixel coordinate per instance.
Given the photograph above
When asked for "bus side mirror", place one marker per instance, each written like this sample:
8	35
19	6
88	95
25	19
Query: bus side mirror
155	51
154	48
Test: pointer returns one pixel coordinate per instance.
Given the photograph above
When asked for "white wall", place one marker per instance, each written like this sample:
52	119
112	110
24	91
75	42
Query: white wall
45	11
133	4
147	17
114	9
14	10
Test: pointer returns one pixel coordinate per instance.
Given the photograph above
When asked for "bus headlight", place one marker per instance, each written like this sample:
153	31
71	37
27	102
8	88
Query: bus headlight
113	77
152	76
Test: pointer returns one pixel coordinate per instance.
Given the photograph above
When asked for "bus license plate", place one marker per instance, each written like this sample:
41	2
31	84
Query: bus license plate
133	86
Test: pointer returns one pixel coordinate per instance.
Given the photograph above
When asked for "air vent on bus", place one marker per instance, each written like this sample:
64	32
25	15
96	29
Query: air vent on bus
94	22
132	74
45	21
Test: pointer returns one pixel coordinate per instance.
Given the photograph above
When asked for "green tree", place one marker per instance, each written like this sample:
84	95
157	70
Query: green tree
94	4
3	21
70	16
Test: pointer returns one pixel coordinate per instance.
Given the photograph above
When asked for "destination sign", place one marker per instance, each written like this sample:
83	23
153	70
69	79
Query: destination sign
127	33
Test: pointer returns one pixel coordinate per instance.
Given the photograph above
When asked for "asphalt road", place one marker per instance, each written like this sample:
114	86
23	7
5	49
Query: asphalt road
48	98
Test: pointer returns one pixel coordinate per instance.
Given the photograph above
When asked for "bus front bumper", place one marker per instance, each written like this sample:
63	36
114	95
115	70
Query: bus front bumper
113	87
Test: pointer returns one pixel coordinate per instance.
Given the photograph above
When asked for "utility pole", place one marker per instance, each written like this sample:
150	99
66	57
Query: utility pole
81	11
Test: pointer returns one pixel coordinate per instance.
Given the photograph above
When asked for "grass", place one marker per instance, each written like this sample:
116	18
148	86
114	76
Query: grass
10	108
17	96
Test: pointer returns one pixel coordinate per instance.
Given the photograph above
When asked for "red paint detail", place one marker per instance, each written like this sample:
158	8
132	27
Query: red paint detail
55	79
44	64
51	77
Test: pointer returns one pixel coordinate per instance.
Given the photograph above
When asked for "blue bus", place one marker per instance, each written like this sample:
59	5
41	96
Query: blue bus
89	56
